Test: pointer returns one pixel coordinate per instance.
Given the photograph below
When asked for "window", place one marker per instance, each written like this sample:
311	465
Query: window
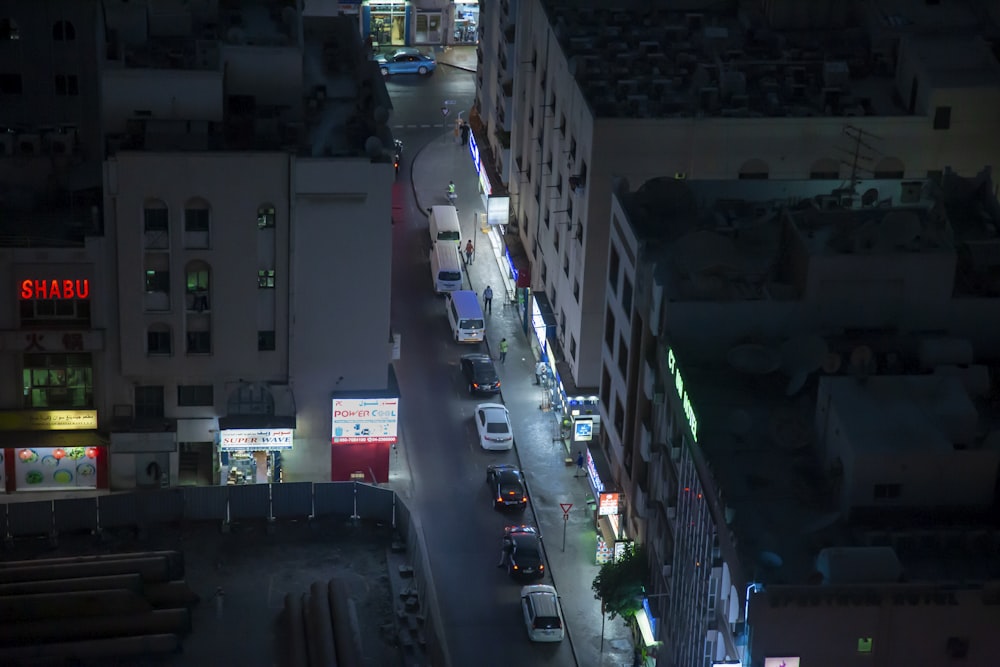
59	381
627	297
572	346
158	340
619	417
196	219
63	312
265	279
557	241
942	118
157	281
192	395
149	401
613	263
199	342
265	217
566	265
622	356
609	329
562	322
63	31
606	387
197	284
864	644
562	125
10	84
265	341
576	289
156	224
67	84
545	273
887	491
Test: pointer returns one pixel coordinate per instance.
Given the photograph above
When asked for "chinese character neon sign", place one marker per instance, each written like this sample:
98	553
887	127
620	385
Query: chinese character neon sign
692	419
55	289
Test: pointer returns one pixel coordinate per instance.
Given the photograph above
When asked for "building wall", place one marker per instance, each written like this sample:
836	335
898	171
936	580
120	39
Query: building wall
165	94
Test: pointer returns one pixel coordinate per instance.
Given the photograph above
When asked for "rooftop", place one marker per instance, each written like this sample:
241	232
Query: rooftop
641	61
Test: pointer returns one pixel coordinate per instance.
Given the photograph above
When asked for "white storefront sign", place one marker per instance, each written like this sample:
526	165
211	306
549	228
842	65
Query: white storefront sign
364	420
255	440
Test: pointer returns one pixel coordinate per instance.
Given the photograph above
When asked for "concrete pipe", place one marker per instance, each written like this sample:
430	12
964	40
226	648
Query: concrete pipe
175	558
296	653
100	649
152	569
130	582
346	633
319	608
75	604
163	621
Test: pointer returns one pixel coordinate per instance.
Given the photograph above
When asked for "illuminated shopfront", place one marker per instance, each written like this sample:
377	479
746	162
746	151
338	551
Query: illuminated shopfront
52	450
466	22
607	501
387	22
252	456
364	430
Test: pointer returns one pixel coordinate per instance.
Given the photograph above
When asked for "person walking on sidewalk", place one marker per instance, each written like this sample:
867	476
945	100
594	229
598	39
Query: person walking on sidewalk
503	350
579	464
539	371
488	300
464	130
469	251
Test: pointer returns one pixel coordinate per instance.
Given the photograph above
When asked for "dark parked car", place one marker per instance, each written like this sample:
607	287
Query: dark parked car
480	374
507	485
522	552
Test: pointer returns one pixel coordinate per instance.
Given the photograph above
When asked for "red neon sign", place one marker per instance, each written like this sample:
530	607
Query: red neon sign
55	289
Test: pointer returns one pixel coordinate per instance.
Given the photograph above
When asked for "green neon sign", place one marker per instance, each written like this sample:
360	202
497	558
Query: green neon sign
692	419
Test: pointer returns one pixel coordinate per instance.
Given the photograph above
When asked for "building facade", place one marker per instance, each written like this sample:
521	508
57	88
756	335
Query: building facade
394	23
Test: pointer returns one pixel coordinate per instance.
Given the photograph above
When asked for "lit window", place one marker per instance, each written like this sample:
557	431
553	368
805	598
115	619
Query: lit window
265	279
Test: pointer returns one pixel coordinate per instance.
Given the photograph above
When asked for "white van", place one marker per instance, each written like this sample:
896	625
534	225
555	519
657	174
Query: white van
446	267
443	224
466	317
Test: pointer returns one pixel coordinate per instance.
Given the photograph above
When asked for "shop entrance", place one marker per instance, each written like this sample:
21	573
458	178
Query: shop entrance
240	467
388	27
466	22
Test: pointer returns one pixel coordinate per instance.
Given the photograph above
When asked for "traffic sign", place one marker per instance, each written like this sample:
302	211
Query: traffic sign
566	507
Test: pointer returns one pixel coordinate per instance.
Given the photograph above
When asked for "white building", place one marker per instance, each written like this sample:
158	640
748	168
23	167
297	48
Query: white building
638	91
794	393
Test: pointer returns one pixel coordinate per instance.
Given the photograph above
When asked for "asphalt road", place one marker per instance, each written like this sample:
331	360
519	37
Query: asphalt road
479	604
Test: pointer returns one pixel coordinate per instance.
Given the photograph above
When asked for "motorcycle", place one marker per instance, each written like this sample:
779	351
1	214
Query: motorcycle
397	154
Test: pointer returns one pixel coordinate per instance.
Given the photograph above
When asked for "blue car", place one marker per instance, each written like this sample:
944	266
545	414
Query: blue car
406	61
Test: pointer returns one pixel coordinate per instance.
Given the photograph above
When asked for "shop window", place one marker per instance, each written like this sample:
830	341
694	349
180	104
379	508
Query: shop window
195	395
9	30
609	329
63	31
265	217
627	297
149	402
58	381
265	279
155	224
158	340
196	224
265	341
197	279
572	347
613	266
10	84
67	84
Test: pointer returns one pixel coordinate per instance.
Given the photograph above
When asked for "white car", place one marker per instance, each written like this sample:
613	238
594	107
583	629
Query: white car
493	424
542	614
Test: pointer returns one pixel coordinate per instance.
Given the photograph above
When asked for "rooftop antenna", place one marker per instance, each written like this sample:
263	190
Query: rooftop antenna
859	138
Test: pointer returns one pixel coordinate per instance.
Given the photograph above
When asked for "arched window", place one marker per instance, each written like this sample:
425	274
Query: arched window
196	223
156	223
250	399
825	169
63	31
753	169
159	340
889	167
197	286
265	216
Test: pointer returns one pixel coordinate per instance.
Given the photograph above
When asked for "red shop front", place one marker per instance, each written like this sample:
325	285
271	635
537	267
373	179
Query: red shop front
52	450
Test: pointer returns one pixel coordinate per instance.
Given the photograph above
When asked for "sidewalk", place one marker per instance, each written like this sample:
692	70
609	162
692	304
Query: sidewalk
547	463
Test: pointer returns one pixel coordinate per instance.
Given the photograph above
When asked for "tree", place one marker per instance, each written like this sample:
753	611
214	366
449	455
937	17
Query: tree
619	584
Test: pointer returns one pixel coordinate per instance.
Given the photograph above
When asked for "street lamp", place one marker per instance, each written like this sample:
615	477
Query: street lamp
752	587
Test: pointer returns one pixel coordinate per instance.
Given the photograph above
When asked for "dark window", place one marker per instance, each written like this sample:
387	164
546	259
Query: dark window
199	342
265	278
887	491
576	290
58	381
10	84
942	118
619	417
613	270
622	357
265	340
149	401
63	312
67	84
194	395
157	281
606	387
609	329
63	31
572	346
627	298
155	219
158	340
196	220
566	266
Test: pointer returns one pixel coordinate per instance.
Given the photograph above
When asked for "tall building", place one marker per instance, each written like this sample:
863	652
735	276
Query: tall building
237	314
797	385
775	90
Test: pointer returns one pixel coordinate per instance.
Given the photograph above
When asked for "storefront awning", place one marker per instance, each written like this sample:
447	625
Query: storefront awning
85	438
256	422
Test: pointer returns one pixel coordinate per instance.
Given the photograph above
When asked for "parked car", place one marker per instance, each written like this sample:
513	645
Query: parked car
542	613
507	485
522	552
407	60
480	374
493	424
